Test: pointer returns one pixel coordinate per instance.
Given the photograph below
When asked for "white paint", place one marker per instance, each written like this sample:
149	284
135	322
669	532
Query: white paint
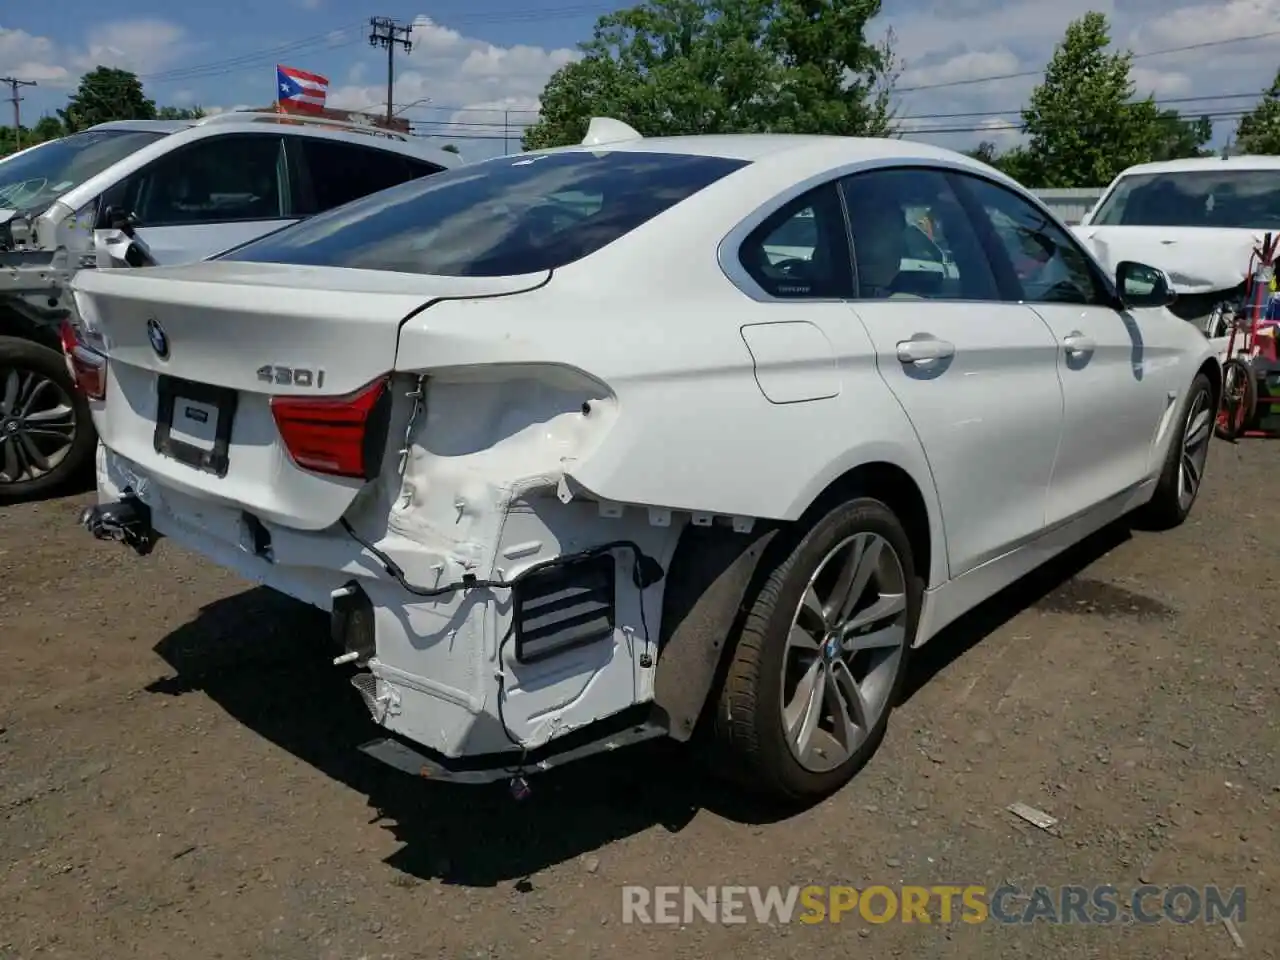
601	406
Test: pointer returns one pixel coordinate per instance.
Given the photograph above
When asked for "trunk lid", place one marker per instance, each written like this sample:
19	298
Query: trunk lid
1197	259
203	348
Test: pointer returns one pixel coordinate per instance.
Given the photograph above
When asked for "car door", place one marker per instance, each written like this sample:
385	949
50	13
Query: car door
208	196
975	374
1112	389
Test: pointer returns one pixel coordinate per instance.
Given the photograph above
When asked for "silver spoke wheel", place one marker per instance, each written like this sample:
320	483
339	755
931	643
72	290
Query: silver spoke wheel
846	639
1195	450
37	425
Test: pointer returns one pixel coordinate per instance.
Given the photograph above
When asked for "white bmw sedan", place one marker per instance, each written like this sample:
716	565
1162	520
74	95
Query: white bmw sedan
643	436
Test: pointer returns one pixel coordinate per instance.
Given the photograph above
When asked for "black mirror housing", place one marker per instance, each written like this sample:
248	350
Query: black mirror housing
1142	285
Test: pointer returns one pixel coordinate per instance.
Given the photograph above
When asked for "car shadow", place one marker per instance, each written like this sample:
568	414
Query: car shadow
1055	587
265	659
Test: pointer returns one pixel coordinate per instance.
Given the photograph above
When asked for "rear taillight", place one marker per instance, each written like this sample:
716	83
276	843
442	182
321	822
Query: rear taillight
341	436
88	367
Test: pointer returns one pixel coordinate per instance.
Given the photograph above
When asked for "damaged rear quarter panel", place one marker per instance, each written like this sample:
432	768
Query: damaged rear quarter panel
690	428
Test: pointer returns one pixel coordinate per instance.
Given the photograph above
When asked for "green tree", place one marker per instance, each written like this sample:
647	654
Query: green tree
106	93
671	67
1259	131
985	152
1082	124
47	128
179	113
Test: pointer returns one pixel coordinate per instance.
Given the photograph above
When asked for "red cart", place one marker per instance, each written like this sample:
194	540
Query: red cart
1251	373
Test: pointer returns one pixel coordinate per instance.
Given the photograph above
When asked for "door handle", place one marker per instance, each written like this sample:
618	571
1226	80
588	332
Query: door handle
1077	343
924	348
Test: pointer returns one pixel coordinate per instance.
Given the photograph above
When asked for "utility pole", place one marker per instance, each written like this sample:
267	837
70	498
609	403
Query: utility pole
385	32
15	99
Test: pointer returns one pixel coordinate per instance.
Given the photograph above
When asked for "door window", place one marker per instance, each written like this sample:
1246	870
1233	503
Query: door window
802	250
216	180
1048	264
913	239
341	172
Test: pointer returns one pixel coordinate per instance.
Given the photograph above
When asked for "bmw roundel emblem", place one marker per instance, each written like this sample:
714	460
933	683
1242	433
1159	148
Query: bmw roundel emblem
159	342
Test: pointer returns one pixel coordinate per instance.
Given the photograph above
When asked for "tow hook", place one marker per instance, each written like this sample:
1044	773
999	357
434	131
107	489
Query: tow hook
127	521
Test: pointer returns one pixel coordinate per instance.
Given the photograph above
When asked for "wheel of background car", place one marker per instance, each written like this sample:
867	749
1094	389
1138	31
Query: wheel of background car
1239	400
821	656
46	434
1184	464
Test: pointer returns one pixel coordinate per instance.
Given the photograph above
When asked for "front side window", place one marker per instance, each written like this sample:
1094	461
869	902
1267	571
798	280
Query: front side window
508	216
802	250
913	239
32	181
1234	199
1049	265
215	180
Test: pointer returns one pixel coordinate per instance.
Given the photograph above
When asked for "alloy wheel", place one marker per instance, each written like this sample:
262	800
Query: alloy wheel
37	425
846	639
1195	450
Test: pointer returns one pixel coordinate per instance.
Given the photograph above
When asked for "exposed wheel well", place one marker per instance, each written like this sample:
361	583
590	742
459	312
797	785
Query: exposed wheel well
1213	371
14	324
895	488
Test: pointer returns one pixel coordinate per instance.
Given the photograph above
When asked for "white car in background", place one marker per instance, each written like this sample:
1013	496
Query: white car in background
1198	220
190	189
567	481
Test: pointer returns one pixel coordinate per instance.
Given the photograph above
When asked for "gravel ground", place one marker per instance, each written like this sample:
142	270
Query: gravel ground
178	775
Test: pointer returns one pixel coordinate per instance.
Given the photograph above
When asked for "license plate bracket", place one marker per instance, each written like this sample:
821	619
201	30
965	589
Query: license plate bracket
207	446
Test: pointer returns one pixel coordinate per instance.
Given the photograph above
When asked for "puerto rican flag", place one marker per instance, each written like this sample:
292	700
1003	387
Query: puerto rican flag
300	90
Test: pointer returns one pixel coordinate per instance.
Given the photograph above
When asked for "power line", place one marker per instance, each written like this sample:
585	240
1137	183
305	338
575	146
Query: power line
1137	56
388	34
1167	101
1220	115
330	38
348	35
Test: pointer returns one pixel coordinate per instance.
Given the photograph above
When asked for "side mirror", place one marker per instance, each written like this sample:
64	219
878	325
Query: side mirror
1140	285
117	218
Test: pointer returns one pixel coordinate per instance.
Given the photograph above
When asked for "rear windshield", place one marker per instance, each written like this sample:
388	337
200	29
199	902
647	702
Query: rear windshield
1245	199
35	179
512	215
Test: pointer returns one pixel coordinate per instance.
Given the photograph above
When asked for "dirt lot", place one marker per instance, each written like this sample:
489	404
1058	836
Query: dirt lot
178	775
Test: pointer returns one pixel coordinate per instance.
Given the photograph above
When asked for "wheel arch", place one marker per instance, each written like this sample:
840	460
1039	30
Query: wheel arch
17	325
715	571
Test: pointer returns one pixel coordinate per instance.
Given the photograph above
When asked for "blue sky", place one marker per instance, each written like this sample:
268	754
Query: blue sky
476	63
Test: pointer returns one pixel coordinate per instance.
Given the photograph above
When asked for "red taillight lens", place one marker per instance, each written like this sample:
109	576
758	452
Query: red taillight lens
341	436
88	368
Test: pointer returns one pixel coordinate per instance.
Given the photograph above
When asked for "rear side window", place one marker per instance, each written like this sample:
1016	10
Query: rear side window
341	172
507	216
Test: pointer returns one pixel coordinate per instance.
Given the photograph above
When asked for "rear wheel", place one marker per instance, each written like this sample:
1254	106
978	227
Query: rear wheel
46	434
821	656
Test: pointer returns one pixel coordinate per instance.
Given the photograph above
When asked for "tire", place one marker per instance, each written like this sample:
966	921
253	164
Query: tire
1184	464
1239	400
750	733
23	364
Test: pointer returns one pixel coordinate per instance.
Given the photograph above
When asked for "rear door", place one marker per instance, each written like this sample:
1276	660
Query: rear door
208	196
977	376
1111	371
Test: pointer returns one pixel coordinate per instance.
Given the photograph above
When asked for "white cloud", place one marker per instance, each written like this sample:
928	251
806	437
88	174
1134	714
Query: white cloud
971	39
27	57
478	92
142	46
